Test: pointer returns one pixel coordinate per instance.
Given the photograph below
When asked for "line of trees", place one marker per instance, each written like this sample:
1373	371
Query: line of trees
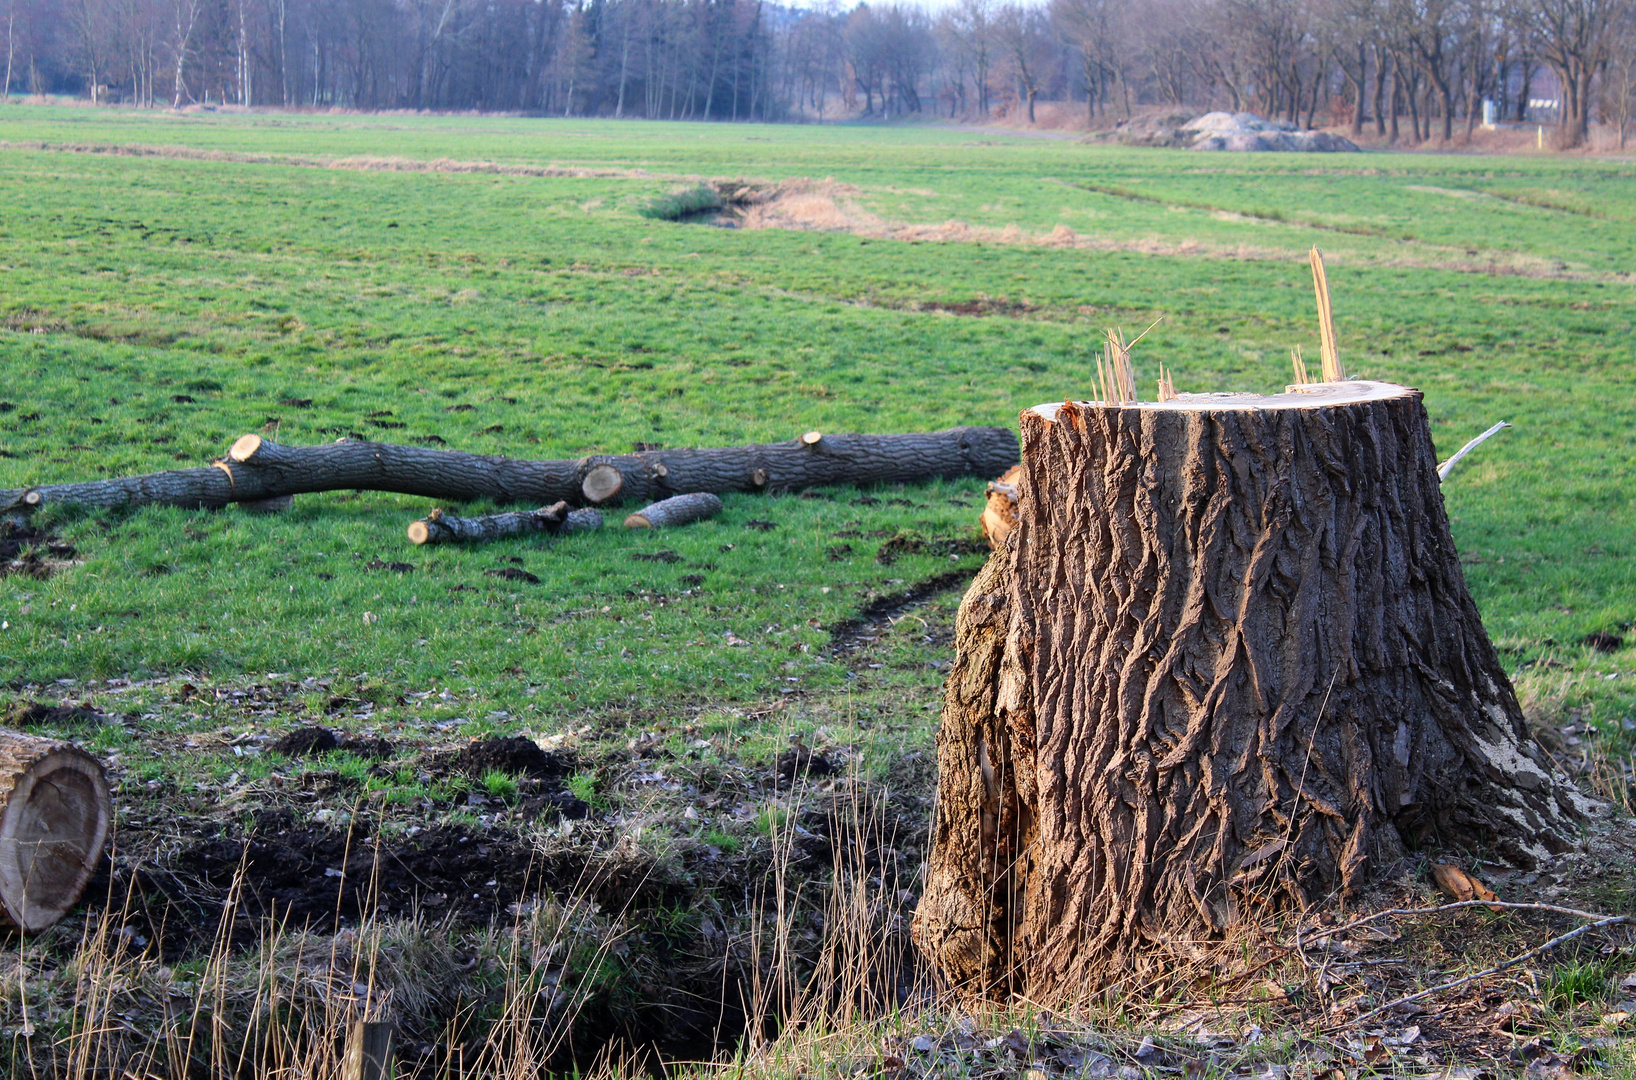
1422	64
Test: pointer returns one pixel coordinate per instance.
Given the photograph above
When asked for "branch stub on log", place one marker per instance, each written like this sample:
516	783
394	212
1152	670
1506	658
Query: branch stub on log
244	448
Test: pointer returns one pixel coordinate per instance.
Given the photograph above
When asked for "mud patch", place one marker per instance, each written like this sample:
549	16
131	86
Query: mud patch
849	635
27	714
27	551
910	544
314	740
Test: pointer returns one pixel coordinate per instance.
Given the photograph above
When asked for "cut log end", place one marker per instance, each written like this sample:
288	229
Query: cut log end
813	438
52	829
676	510
244	448
759	478
419	533
32	498
602	482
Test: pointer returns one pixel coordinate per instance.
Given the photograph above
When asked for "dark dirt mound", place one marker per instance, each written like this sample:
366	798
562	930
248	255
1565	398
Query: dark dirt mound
512	755
910	544
308	741
26	714
1603	642
26	550
512	573
308	874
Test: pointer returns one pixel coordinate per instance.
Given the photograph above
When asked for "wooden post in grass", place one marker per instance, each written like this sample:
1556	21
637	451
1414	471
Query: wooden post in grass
369	1051
54	817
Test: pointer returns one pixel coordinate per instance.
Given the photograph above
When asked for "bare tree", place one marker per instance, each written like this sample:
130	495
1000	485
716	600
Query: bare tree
185	16
1575	38
1619	80
1024	41
11	47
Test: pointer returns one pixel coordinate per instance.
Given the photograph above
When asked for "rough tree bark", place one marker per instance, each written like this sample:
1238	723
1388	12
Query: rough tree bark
440	528
54	815
676	510
1226	664
256	470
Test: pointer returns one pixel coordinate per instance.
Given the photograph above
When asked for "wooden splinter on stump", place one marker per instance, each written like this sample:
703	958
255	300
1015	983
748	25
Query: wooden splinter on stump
1225	664
54	816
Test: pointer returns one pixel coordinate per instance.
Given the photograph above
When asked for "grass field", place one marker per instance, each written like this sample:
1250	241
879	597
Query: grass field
168	283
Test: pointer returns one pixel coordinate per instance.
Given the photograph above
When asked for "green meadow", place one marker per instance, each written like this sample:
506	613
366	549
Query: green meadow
543	316
501	285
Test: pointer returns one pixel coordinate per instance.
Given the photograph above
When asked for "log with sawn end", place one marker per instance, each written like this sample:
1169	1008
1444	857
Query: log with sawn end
54	817
676	510
256	470
440	528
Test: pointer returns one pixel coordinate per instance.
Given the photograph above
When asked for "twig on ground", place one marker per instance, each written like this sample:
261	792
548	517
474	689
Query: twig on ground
1444	469
1597	922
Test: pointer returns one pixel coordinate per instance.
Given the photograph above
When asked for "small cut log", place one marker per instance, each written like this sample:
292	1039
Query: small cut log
676	510
53	825
440	528
256	470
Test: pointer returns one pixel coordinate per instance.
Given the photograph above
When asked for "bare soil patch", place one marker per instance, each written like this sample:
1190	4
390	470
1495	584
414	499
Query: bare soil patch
27	551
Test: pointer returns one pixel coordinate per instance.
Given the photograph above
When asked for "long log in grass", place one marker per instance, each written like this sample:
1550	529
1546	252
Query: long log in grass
256	470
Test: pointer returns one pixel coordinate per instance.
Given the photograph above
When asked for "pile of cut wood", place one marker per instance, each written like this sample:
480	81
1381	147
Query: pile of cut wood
677	486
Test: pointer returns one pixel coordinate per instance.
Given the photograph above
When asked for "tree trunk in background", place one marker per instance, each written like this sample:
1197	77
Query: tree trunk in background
1225	665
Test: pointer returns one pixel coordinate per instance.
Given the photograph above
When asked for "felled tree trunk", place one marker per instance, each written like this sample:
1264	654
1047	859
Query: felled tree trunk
1226	664
440	528
54	817
256	470
676	510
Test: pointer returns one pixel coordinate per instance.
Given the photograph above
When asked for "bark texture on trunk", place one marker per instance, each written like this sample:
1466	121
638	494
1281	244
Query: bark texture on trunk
440	528
676	510
1226	664
256	470
54	816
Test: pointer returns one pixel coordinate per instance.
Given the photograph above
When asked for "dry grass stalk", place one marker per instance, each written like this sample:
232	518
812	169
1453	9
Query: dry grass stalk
1333	372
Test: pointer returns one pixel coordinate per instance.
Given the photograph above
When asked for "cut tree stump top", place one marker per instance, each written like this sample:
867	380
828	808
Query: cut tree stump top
1308	396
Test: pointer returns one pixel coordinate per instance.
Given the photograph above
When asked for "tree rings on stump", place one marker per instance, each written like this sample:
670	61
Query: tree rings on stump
1226	664
53	826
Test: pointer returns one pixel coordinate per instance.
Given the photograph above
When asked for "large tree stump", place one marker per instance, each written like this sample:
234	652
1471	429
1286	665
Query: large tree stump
1226	664
54	816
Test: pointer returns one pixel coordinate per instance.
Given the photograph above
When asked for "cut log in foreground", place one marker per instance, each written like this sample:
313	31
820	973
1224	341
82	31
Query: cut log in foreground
1226	664
256	470
53	825
676	510
440	528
